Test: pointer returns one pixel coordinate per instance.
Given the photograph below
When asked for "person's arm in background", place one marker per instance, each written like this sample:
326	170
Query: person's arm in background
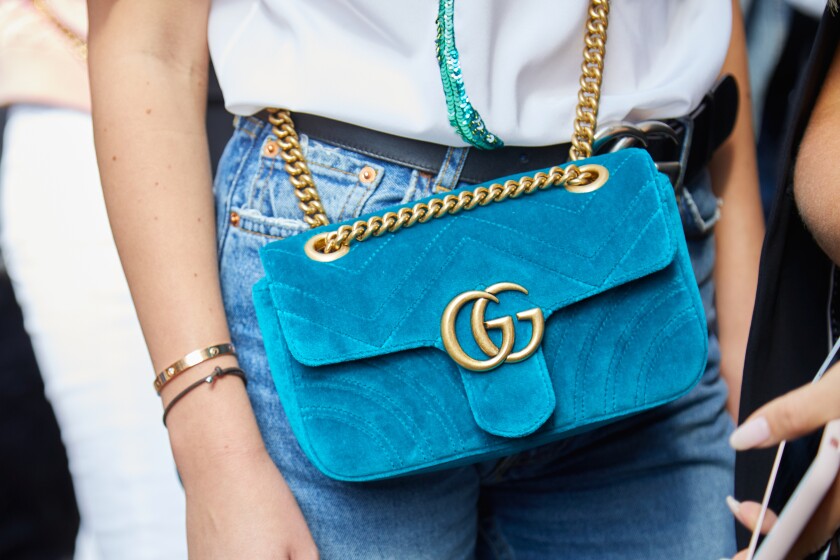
740	231
809	408
148	62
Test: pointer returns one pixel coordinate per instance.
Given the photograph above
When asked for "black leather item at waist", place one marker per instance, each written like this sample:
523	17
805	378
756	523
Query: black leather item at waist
712	121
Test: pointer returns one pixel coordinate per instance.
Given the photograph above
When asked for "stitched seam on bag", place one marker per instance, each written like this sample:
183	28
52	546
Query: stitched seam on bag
660	348
457	387
644	271
701	326
311	413
650	307
428	286
351	356
370	316
631	206
580	209
489	448
580	368
578	373
557	355
361	389
642	384
450	429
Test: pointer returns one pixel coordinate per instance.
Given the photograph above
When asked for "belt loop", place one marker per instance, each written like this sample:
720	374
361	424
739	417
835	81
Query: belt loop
450	170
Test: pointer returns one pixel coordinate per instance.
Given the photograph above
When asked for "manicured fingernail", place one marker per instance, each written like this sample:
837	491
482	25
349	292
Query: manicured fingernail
749	435
734	505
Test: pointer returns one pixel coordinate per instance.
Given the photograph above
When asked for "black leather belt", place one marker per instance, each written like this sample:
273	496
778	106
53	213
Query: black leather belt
681	147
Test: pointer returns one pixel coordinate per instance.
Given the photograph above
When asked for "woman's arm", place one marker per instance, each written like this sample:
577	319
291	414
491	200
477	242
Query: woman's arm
148	62
810	407
740	231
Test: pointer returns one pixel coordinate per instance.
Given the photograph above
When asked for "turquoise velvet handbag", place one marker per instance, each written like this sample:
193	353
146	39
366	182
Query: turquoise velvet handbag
486	322
380	356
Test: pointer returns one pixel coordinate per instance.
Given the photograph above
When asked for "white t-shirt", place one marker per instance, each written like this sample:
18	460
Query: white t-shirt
372	62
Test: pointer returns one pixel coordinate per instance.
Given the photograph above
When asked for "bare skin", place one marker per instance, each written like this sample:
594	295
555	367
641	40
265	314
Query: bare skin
740	231
809	408
148	61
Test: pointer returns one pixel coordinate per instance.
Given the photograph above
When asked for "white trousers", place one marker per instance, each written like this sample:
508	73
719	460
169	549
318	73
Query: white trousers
63	264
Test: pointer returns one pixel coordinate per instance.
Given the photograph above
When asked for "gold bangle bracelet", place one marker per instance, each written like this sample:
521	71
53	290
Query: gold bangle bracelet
192	359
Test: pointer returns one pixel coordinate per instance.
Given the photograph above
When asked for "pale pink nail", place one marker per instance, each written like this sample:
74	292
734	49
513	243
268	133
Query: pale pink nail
748	435
734	505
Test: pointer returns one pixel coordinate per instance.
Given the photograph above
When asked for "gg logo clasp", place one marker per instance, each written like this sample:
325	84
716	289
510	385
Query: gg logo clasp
497	356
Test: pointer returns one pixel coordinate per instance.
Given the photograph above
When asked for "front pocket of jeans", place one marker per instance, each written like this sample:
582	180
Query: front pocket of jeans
268	205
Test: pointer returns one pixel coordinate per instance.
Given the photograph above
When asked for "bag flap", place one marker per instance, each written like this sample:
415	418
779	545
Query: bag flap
388	293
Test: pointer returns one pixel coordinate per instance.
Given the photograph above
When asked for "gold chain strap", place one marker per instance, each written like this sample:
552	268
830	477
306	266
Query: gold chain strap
589	95
78	44
299	175
334	244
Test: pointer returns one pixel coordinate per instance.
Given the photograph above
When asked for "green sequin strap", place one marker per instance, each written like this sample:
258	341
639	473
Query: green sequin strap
462	115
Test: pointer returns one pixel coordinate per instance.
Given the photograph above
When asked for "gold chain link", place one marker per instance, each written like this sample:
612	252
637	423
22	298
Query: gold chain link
589	95
572	176
422	212
299	175
78	44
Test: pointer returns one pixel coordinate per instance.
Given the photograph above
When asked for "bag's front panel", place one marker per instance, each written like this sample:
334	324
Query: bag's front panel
406	411
627	348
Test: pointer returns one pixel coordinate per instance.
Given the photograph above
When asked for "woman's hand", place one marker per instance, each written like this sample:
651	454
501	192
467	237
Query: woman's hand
790	416
242	508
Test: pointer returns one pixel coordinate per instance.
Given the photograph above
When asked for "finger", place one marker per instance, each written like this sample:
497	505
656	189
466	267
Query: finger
822	526
790	416
740	556
747	514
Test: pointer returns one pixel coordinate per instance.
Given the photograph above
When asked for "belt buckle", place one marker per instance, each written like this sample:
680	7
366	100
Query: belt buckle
620	135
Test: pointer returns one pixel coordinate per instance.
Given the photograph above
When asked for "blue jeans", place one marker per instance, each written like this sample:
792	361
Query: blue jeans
652	486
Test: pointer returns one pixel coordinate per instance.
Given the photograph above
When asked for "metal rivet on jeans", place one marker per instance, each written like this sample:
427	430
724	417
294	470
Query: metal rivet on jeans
367	174
234	219
270	149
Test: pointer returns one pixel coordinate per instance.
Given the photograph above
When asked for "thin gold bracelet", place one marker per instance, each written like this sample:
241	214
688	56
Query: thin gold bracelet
192	359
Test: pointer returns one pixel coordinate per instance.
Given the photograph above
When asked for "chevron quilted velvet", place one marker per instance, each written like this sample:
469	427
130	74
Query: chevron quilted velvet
359	360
